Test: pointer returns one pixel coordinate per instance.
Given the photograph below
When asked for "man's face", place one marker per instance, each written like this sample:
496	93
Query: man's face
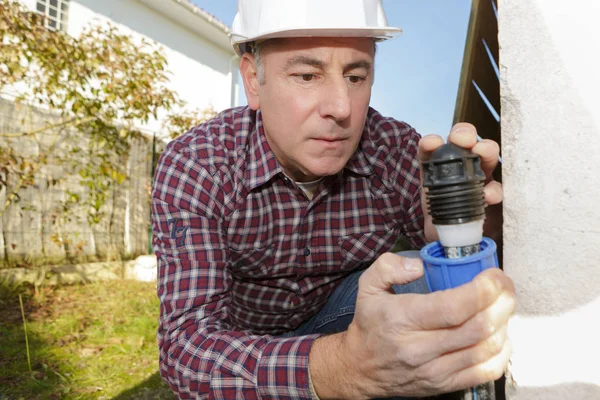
314	101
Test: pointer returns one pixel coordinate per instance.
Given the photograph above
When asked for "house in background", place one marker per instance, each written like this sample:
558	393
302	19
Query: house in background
203	72
203	64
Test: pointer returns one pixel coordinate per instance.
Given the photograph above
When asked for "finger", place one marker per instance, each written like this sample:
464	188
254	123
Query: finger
489	152
427	145
453	307
464	135
491	370
476	330
493	193
389	269
472	356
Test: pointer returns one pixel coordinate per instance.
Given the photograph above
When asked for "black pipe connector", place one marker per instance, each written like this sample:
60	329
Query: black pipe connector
455	180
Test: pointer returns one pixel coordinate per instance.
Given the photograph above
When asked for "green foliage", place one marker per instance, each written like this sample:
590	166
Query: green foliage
97	88
98	85
188	119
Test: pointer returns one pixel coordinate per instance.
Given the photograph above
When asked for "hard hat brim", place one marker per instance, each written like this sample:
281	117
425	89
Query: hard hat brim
378	34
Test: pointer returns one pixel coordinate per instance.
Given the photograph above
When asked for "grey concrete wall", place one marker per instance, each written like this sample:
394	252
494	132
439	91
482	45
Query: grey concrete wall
550	88
27	228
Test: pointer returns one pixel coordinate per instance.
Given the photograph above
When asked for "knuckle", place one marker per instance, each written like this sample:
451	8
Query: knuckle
493	144
489	286
409	357
486	350
484	328
384	262
452	313
495	344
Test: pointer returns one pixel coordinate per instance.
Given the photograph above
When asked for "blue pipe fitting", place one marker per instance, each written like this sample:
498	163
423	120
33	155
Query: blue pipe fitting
445	273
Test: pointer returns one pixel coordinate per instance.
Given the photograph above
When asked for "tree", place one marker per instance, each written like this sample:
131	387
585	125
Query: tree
97	87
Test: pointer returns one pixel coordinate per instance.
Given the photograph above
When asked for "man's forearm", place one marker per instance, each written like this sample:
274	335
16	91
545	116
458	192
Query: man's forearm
331	370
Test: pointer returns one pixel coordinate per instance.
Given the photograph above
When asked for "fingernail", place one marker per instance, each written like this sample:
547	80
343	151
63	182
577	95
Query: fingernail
413	264
462	132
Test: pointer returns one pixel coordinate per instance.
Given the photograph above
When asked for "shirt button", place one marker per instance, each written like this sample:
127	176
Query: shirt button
306	252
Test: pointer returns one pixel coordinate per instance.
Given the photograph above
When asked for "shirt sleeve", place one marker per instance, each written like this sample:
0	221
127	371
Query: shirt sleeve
201	355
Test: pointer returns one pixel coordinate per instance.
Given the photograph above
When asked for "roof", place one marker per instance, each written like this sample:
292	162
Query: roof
194	18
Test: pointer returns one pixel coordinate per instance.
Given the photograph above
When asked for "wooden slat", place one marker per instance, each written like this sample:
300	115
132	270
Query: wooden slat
476	64
489	27
465	78
479	115
485	76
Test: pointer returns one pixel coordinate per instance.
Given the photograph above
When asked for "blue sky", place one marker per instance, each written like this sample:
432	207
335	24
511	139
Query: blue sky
417	74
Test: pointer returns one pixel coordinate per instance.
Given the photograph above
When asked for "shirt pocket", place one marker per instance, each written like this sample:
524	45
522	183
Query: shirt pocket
362	249
251	261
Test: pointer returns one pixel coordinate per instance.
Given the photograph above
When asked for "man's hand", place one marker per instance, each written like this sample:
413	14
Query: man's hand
420	345
465	135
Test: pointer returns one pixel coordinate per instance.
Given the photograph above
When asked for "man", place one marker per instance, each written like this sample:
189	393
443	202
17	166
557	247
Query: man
272	224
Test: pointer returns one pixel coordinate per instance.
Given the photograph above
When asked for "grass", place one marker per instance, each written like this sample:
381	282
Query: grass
92	341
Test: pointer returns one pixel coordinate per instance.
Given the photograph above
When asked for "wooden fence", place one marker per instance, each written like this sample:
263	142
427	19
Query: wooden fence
30	232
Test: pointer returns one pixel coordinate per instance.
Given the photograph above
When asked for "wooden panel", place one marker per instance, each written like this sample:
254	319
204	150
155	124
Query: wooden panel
485	76
476	65
489	27
479	115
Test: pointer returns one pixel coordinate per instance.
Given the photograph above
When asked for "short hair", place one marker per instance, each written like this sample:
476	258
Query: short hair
256	49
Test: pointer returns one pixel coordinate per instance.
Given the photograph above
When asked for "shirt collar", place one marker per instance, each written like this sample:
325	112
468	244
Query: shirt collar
359	163
262	164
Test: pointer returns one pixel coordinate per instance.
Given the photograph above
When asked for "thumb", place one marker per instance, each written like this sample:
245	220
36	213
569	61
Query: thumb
389	269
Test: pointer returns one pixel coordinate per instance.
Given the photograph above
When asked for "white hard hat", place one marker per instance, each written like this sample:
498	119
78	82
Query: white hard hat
268	19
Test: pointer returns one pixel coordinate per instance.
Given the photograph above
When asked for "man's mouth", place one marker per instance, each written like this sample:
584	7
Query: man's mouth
331	139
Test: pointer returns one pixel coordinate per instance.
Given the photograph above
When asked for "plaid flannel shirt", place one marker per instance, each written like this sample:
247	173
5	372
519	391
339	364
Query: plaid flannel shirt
244	255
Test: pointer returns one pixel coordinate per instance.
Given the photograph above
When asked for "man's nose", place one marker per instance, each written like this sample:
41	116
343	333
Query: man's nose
336	102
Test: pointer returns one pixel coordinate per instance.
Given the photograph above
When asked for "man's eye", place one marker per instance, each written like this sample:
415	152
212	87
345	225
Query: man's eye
305	78
355	79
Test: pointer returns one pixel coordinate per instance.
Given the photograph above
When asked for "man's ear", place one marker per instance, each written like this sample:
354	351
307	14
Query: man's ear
249	73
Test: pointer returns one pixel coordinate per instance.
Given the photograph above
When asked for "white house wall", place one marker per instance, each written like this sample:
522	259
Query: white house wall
201	71
551	152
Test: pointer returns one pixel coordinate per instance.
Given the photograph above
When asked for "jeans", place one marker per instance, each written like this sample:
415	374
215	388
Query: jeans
338	312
